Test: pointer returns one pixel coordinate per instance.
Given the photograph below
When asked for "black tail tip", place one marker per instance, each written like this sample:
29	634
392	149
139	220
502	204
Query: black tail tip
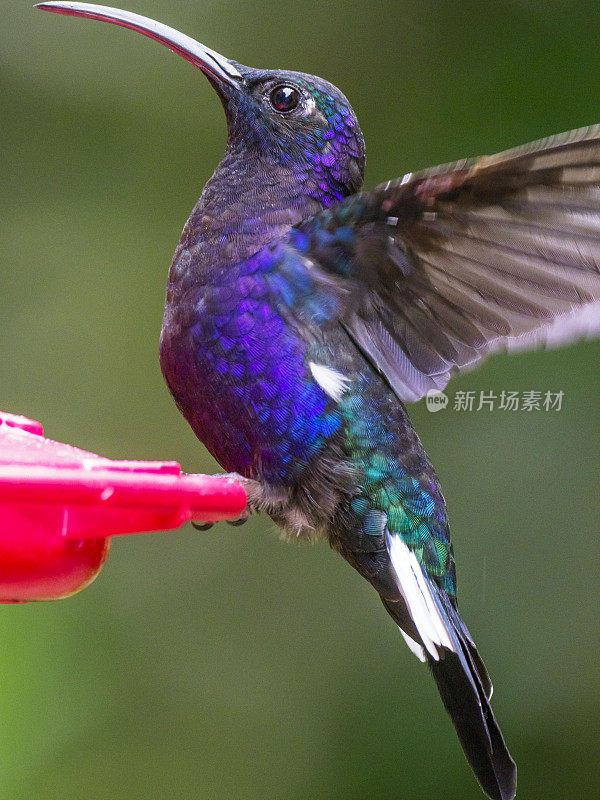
477	729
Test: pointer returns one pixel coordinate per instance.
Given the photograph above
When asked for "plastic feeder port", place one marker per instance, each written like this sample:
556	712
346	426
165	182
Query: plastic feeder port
59	506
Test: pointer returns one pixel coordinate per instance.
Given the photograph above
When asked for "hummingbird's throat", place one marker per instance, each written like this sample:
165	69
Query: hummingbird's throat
245	206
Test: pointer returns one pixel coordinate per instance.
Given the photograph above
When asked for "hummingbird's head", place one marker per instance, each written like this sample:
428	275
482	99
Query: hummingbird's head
297	120
288	118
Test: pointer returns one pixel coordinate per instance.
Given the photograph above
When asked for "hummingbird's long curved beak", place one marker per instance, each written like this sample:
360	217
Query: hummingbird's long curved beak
211	63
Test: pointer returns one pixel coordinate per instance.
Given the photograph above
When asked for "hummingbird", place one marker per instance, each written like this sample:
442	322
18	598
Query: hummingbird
302	313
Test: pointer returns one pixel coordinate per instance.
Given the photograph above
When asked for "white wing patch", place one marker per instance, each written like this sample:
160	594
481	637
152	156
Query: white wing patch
419	599
330	380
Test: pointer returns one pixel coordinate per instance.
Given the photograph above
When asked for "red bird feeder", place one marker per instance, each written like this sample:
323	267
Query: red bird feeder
59	506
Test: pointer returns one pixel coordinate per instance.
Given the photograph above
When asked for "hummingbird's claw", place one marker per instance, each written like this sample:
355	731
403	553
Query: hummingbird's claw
244	517
202	526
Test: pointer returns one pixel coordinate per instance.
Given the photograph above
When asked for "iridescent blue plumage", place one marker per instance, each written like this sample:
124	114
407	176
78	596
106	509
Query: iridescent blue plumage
300	314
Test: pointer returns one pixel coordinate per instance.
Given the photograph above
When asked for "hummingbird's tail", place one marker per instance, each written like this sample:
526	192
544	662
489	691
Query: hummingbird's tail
465	689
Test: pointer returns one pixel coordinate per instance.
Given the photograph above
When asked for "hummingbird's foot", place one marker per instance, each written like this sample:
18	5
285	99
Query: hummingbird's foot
243	517
261	496
254	490
202	526
254	493
206	526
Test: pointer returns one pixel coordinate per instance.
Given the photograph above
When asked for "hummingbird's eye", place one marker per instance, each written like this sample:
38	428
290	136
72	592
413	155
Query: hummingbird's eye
284	98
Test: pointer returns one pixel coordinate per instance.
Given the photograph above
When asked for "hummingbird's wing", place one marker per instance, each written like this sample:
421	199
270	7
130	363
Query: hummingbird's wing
449	264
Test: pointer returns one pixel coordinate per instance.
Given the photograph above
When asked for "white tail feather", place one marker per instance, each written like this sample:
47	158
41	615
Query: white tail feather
420	602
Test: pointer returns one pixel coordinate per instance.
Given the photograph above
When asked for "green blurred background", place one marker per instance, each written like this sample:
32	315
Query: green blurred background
230	664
